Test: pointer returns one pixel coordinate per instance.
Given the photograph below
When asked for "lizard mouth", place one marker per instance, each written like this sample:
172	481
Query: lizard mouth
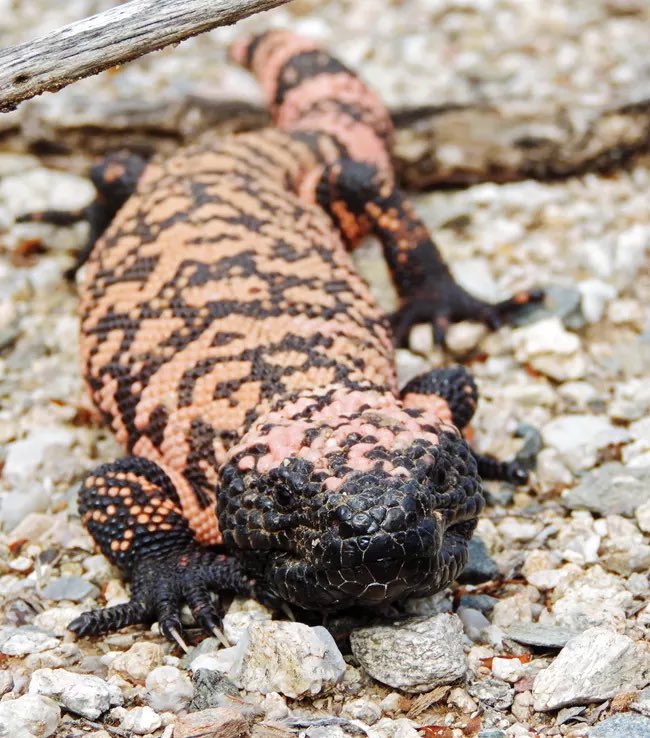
373	580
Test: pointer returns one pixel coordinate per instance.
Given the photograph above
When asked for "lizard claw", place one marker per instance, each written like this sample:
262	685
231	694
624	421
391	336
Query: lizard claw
449	303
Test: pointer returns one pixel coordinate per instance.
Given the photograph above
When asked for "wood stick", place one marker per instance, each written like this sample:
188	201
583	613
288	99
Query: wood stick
444	146
113	37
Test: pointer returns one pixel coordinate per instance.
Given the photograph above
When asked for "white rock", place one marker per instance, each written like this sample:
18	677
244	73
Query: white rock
592	667
24	457
546	336
596	294
221	660
56	619
461	338
642	515
421	339
582	599
83	694
510	670
23	641
30	715
290	658
415	655
240	615
139	720
578	438
579	394
274	706
169	689
362	709
513	609
138	662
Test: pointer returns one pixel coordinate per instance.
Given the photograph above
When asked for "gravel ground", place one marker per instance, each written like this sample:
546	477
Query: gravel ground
558	644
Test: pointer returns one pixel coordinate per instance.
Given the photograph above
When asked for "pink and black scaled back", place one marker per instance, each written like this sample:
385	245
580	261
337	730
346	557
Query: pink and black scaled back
247	370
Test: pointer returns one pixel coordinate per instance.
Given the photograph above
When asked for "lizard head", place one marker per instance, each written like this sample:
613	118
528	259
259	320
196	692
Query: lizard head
347	502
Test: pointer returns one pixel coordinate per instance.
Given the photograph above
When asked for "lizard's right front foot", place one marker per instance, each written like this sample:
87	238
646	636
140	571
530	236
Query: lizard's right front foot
162	583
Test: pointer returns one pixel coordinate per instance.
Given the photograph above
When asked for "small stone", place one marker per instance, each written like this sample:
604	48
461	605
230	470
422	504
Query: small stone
210	689
550	349
240	615
83	694
415	655
74	589
421	339
610	489
592	667
509	670
519	531
642	702
459	698
513	609
224	722
642	515
461	338
542	636
170	690
522	705
29	715
137	663
483	603
275	707
138	720
221	660
24	456
626	725
493	693
579	438
362	709
474	622
25	640
596	295
56	619
480	567
6	682
290	658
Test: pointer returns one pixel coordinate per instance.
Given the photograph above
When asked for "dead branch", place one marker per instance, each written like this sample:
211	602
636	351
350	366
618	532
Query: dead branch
113	37
435	146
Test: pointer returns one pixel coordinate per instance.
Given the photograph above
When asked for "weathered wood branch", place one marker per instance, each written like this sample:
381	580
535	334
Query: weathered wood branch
113	37
445	146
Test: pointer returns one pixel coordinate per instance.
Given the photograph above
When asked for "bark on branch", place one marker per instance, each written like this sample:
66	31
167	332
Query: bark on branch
113	37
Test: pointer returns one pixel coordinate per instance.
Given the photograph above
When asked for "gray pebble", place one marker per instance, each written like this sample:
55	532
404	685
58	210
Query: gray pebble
493	692
622	726
70	588
610	489
537	634
209	688
482	603
414	655
480	567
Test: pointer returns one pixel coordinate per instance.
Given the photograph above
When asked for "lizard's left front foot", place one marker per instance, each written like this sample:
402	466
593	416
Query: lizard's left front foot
162	583
446	302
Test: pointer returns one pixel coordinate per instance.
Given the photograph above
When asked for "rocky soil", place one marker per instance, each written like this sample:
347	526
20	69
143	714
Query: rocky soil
548	633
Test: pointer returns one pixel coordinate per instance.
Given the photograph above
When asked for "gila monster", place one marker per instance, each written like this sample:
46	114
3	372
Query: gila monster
244	365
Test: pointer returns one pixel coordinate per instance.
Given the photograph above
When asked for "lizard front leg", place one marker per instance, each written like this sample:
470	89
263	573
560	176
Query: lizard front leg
452	393
360	200
133	512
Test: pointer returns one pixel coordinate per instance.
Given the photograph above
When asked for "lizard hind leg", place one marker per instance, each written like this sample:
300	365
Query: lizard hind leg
131	509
